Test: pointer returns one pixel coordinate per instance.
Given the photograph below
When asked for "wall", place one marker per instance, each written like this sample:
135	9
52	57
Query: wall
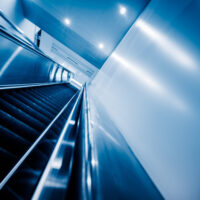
13	9
150	87
19	65
83	70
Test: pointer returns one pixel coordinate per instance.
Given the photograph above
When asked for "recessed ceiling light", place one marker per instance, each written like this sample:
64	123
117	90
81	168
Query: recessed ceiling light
67	21
101	46
122	10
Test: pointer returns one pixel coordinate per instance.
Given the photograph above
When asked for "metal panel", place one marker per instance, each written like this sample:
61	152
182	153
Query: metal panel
20	63
92	23
150	86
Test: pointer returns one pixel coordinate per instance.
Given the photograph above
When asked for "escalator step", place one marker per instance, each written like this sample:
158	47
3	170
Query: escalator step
24	182
7	161
38	102
27	109
25	113
22	116
8	194
44	100
18	126
12	142
33	105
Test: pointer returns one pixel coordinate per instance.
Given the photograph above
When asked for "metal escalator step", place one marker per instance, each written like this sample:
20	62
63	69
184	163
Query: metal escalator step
37	159
38	102
26	108
47	145
54	104
7	161
9	194
13	143
25	113
23	184
22	116
17	126
33	105
49	95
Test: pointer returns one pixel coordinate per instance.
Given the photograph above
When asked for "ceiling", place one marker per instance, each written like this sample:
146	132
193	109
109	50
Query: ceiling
91	28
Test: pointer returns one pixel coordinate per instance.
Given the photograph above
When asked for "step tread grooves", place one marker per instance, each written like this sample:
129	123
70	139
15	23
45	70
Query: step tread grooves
24	115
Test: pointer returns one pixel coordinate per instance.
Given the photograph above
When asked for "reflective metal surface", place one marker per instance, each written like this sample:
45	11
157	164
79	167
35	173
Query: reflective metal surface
150	88
55	179
90	28
116	173
5	23
32	119
33	146
19	54
22	63
144	110
18	65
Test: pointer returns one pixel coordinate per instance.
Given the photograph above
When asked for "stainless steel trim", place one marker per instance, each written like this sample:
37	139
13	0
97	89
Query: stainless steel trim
19	86
22	42
87	175
41	183
17	29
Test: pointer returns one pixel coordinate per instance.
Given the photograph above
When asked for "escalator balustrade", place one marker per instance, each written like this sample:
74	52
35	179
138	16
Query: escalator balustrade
24	114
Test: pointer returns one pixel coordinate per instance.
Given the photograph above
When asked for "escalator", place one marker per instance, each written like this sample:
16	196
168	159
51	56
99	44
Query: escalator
39	111
51	146
31	120
47	150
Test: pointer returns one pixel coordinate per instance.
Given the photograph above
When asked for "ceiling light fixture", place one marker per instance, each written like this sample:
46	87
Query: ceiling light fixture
122	10
101	46
67	21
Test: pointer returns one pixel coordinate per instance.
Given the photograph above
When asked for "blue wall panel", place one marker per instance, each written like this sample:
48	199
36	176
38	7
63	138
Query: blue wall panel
150	86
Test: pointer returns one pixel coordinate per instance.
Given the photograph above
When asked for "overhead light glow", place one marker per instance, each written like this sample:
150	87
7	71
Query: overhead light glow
67	21
9	61
169	46
149	81
140	74
94	162
101	46
53	71
72	122
57	163
122	10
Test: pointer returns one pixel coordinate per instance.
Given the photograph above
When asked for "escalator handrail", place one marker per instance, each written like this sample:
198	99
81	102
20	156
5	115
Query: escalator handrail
88	149
33	146
30	85
83	183
22	42
44	176
17	29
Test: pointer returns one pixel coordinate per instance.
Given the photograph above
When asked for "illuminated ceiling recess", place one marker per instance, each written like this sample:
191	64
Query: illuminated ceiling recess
98	26
101	45
122	10
67	21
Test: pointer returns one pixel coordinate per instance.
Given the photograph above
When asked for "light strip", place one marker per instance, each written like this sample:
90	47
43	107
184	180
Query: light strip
149	81
12	57
169	46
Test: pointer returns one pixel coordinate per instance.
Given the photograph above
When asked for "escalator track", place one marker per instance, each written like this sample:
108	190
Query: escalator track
25	113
